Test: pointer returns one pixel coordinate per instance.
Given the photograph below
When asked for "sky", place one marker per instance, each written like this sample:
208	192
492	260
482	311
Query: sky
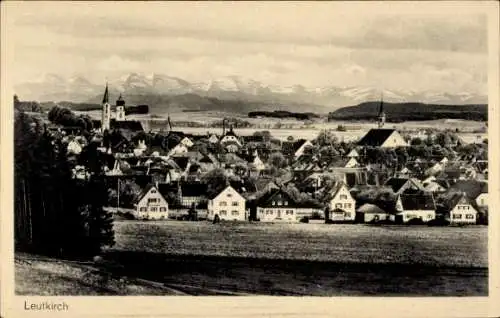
314	44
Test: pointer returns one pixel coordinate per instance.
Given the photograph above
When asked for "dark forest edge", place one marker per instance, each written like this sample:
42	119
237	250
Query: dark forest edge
400	112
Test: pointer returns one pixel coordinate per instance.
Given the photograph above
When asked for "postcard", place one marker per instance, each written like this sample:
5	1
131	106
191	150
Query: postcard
241	159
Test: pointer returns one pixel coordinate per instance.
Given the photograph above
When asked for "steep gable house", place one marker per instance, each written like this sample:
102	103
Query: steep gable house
295	148
151	204
382	137
341	203
227	205
278	206
414	205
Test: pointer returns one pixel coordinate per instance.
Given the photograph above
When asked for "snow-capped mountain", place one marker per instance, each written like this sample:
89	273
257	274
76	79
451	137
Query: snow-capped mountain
79	89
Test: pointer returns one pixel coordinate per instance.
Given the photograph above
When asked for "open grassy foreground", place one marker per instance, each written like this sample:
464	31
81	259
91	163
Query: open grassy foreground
199	258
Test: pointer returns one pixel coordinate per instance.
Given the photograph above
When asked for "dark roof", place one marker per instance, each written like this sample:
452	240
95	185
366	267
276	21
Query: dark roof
144	191
418	201
132	125
376	137
396	183
472	188
275	195
253	138
243	186
193	189
291	147
230	132
182	162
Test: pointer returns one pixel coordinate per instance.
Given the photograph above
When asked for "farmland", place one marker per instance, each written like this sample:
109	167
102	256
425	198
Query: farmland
200	258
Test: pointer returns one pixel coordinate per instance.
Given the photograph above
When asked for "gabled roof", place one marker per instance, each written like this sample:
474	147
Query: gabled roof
217	193
144	191
376	137
396	183
370	209
472	188
417	201
275	195
291	147
181	162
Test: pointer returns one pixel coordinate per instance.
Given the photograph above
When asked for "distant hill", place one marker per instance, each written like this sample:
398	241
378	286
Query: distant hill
399	112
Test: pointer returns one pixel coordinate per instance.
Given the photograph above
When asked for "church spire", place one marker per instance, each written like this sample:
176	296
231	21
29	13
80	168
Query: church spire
381	114
105	99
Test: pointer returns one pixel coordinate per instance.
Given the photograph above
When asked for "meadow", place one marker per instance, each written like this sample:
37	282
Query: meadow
437	246
200	258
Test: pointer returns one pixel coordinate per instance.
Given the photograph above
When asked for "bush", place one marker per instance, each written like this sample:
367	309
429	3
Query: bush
305	219
438	222
416	221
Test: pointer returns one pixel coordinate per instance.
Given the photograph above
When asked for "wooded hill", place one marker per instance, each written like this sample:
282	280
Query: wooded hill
400	112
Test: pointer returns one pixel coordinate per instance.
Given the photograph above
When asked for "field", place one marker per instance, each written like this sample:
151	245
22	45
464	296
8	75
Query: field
200	258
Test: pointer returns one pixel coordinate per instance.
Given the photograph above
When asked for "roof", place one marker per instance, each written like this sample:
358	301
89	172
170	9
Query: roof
144	191
370	209
472	188
181	162
193	189
375	137
132	125
291	147
276	195
396	183
418	201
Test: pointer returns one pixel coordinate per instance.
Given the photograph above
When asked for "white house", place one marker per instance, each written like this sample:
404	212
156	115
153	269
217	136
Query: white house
353	154
278	206
384	138
187	142
351	163
462	210
178	149
414	206
227	205
230	137
151	205
74	146
341	203
213	139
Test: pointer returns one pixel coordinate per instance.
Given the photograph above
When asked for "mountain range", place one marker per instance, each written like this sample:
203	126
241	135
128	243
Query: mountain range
160	88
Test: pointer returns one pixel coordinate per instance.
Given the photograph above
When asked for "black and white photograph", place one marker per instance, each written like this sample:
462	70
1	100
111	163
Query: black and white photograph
249	149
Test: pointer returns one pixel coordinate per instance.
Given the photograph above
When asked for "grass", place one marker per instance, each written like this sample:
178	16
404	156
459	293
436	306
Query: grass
443	246
200	258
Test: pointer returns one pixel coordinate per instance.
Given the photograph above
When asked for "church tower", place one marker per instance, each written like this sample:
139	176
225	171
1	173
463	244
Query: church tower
381	114
106	111
120	109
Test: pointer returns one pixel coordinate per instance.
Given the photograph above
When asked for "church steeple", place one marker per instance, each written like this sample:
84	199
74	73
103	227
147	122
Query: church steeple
381	114
106	110
105	98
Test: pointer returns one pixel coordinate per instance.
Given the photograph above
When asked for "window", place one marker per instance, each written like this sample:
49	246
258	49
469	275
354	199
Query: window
347	214
343	197
143	209
222	203
482	201
338	205
154	209
430	216
469	216
235	203
285	203
163	209
153	191
347	205
457	216
152	200
274	202
234	212
223	212
279	202
229	195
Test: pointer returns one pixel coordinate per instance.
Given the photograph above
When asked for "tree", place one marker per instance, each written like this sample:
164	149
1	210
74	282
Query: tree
216	181
277	160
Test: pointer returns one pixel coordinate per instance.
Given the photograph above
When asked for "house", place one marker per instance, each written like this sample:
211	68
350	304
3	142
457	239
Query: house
475	190
255	161
192	193
74	147
341	203
460	209
399	185
151	204
187	142
295	148
230	141
368	213
353	154
179	148
213	139
414	205
435	186
140	148
227	205
278	206
382	137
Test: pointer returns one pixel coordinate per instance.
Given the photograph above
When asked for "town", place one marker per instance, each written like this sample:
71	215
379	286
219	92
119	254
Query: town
385	177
